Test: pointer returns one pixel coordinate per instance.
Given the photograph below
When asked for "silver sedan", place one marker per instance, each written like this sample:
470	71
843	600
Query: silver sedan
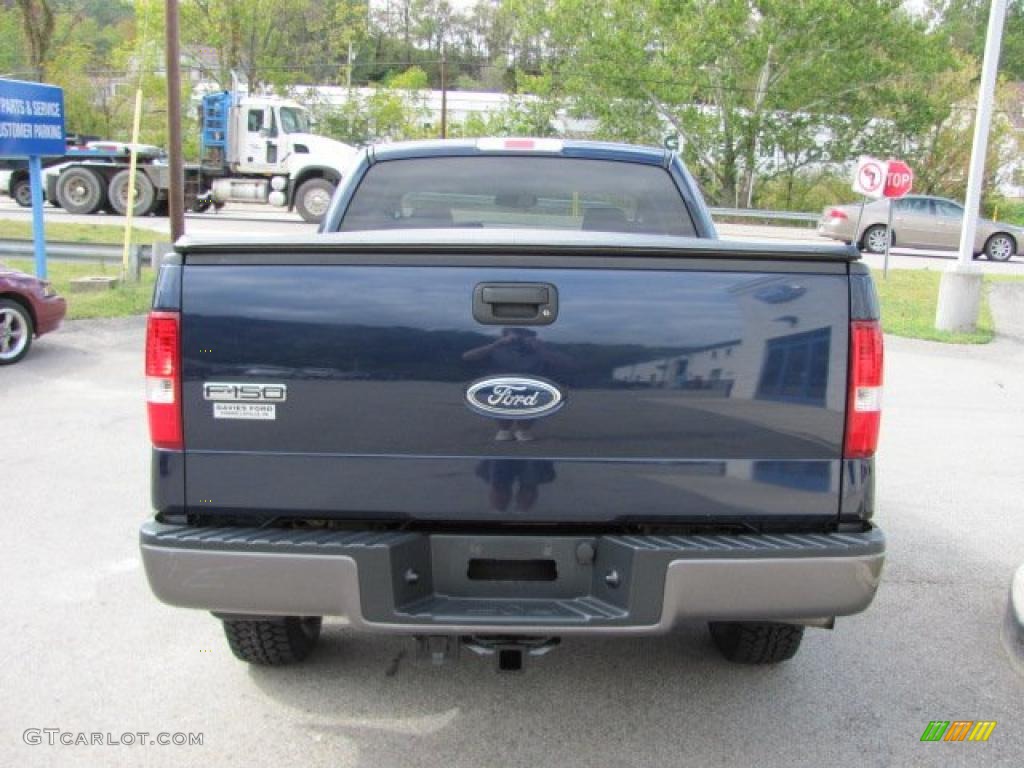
918	222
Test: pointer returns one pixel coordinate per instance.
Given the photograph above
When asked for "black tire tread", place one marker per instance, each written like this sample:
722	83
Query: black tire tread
100	188
757	642
16	188
271	642
145	190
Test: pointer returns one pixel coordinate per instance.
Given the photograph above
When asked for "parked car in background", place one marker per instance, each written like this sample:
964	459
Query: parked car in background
29	307
918	221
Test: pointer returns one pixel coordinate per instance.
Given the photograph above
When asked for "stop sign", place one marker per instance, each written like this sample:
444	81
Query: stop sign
898	180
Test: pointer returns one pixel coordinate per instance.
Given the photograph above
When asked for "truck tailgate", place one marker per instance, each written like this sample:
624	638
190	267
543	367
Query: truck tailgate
695	390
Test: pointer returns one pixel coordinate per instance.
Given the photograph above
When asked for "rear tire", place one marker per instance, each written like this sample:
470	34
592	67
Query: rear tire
873	240
21	191
15	332
756	642
273	642
145	193
1000	247
81	190
313	198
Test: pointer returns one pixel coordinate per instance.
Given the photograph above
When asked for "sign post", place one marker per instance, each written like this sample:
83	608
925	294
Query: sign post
32	126
35	183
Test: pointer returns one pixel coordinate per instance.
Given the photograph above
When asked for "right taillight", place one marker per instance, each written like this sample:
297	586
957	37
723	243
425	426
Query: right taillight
864	410
163	379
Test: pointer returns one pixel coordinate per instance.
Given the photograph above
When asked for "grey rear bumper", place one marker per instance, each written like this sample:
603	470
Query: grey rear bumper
418	583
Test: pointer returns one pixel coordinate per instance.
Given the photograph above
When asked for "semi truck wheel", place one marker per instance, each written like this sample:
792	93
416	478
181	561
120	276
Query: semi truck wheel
21	191
145	193
313	199
81	190
756	642
273	642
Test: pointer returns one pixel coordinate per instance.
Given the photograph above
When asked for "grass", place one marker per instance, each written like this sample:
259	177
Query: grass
125	299
99	234
1010	211
908	299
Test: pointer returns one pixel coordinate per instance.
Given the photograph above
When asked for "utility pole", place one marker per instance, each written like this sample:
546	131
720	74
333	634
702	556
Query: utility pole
176	166
444	94
960	289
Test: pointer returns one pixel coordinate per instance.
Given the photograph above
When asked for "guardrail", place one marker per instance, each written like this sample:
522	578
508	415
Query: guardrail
754	213
88	253
65	251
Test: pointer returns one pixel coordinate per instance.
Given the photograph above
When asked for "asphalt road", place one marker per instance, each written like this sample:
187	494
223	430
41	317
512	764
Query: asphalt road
87	648
251	219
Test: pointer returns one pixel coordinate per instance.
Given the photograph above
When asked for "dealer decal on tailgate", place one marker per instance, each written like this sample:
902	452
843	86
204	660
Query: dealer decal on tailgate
244	400
244	411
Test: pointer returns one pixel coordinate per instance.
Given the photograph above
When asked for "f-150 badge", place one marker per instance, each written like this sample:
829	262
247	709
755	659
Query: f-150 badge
514	397
244	392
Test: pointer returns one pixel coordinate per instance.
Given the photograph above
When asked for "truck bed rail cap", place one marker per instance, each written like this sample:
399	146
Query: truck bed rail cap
518	240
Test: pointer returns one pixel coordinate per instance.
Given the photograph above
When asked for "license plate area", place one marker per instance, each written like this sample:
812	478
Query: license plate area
492	569
509	566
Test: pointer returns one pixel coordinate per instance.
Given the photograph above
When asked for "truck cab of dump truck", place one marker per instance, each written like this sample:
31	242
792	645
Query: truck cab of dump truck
261	149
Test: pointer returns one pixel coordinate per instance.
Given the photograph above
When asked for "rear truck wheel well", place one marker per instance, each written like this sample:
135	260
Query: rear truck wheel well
311	172
27	306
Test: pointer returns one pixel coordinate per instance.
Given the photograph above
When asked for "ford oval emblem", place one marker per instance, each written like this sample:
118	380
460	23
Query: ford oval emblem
514	397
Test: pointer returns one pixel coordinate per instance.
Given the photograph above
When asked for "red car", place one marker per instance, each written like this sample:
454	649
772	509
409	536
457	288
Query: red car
28	307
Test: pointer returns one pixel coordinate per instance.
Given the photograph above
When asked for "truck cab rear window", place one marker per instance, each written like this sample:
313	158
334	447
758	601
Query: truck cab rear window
518	192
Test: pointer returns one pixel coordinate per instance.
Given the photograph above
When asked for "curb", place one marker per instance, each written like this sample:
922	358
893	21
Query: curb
1013	634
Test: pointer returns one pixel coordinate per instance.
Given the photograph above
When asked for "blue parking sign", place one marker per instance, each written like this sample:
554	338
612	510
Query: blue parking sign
31	119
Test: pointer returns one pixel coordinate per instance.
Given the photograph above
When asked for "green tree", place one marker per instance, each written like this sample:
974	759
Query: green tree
38	23
12	52
965	23
274	42
722	72
394	111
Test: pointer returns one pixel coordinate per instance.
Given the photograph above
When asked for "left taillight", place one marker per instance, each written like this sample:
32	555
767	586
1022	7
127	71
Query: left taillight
163	379
864	409
835	213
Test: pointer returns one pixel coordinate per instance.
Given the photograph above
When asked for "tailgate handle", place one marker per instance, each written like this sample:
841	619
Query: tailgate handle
515	303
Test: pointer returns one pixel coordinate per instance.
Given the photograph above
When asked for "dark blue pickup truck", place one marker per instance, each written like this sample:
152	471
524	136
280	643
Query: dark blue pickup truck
514	390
